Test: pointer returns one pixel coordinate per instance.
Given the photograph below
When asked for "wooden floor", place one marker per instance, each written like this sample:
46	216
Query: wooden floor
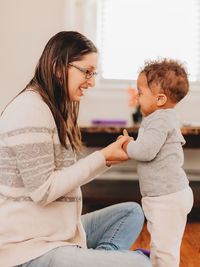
190	248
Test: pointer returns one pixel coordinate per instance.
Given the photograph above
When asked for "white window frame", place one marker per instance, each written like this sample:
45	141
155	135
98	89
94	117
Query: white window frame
122	83
88	26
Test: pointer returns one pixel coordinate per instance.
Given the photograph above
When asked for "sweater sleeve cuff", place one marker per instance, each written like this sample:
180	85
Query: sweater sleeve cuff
129	149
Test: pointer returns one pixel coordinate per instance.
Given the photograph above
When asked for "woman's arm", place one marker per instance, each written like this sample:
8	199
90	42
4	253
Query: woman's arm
29	136
61	182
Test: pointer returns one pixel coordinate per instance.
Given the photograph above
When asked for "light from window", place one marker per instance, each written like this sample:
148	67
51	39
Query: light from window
133	31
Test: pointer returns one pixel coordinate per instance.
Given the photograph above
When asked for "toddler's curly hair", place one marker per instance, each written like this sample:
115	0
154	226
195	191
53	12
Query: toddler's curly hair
170	75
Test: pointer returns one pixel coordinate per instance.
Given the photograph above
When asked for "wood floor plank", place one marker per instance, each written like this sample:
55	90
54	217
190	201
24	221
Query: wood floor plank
190	248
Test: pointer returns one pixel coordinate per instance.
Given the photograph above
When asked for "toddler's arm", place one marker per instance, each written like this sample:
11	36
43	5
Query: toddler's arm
149	141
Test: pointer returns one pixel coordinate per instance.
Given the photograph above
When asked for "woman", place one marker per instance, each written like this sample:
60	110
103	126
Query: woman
40	197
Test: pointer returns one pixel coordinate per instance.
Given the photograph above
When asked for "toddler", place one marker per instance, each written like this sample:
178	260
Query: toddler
166	196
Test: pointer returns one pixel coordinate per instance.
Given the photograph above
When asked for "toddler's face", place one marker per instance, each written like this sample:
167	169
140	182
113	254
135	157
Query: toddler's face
146	98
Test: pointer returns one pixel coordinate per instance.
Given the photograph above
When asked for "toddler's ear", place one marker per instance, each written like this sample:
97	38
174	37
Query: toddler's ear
161	100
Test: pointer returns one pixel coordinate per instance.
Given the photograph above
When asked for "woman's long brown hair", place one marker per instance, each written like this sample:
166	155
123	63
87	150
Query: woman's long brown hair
51	82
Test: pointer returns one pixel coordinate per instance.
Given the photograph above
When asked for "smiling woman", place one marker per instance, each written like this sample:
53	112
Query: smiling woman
40	178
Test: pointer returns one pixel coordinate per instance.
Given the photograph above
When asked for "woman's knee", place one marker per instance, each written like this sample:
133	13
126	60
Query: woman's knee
133	210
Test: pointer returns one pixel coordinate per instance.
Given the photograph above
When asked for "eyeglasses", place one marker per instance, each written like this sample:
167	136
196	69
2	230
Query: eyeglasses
88	73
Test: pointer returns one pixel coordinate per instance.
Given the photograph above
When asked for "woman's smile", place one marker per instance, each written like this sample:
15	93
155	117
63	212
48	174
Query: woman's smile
82	90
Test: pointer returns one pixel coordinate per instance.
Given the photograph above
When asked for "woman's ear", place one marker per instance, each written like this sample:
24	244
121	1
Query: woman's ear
161	100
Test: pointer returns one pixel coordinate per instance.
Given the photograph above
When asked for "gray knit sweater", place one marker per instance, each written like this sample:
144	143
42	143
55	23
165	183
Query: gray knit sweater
159	154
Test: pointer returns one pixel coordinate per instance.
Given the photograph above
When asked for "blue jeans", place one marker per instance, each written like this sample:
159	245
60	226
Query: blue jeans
110	233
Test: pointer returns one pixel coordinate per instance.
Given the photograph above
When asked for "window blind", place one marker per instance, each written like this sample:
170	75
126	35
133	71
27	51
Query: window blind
130	32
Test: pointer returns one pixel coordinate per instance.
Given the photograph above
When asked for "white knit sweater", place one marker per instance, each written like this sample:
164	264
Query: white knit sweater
40	196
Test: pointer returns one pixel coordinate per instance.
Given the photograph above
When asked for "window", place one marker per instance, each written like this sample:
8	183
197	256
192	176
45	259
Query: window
130	32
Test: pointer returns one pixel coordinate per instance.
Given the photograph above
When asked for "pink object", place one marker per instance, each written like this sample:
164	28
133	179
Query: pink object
132	93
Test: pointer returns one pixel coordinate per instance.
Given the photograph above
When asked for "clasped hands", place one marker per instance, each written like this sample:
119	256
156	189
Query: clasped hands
116	152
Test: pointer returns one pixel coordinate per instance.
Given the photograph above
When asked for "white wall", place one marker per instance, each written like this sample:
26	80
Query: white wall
25	27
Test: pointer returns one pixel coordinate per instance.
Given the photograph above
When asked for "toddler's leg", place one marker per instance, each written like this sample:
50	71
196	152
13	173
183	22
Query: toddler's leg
166	219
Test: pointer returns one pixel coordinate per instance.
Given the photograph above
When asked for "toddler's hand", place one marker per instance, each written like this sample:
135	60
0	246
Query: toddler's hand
114	151
124	146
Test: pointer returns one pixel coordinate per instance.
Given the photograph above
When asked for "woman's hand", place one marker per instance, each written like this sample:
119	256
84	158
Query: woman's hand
114	152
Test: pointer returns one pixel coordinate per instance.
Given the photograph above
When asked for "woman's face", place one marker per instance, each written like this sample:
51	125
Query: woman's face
77	81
